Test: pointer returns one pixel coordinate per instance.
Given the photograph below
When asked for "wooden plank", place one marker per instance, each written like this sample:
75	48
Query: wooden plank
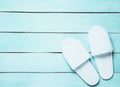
33	63
52	80
58	22
44	42
62	5
41	62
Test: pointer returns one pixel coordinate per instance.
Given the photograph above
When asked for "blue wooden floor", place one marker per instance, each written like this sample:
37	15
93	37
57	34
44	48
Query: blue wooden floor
31	34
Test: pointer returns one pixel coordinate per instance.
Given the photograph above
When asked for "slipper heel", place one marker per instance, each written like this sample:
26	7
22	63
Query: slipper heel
78	59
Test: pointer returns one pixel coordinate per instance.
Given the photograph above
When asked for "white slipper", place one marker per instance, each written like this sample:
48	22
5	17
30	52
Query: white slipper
101	49
78	59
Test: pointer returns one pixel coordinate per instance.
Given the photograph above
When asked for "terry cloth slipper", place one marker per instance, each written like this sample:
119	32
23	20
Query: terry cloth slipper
101	49
78	59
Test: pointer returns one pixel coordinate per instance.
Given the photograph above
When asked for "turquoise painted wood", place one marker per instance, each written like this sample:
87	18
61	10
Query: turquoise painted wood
38	62
44	42
61	5
41	62
58	22
52	80
52	69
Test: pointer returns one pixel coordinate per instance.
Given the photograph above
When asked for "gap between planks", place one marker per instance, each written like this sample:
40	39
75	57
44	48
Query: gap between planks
58	12
28	32
35	72
40	72
43	52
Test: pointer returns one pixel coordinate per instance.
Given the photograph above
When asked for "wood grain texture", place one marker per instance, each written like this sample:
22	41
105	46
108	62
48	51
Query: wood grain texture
32	26
58	22
52	80
44	42
41	62
62	5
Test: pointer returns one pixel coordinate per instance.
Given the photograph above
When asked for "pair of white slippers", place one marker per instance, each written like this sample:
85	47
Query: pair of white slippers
78	57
